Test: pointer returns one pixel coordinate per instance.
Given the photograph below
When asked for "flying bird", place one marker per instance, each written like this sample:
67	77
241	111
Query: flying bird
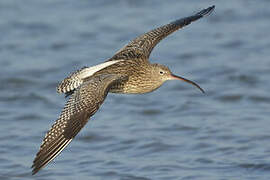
128	71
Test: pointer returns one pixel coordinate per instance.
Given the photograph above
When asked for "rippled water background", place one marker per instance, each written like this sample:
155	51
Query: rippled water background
173	133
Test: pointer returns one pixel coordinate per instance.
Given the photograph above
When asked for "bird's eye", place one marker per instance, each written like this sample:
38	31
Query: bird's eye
161	72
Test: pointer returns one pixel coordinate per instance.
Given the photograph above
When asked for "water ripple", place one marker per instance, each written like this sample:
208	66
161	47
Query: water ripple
173	133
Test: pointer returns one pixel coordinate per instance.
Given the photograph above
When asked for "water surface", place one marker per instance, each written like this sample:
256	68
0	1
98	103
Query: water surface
173	133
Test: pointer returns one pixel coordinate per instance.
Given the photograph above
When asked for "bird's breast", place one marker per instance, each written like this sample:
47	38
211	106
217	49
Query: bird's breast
135	85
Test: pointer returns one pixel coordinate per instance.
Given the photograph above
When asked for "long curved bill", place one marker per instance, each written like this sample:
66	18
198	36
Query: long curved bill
188	81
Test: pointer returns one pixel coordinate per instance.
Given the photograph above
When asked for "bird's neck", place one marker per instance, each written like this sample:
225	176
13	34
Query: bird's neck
142	81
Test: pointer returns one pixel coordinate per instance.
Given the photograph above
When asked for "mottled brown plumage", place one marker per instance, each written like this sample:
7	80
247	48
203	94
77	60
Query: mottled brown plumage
128	71
83	103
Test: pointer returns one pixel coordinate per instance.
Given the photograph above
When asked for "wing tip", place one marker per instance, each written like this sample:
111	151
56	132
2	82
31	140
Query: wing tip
34	171
35	167
207	11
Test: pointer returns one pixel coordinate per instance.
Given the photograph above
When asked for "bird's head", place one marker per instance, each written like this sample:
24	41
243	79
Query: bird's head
163	73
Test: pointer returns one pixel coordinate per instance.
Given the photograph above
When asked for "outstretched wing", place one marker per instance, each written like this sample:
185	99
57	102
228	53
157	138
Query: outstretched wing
142	46
83	103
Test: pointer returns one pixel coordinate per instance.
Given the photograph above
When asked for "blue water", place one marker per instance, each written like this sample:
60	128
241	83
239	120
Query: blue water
173	133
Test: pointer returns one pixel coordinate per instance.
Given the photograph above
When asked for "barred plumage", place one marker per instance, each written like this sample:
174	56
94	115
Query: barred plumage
142	46
82	104
76	78
128	71
71	82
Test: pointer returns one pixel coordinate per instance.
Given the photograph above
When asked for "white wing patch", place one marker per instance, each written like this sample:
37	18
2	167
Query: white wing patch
91	70
76	78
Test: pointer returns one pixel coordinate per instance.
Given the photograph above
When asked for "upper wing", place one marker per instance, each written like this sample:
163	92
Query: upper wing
142	46
83	103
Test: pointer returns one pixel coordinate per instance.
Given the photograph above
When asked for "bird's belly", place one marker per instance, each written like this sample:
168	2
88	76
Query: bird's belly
130	87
